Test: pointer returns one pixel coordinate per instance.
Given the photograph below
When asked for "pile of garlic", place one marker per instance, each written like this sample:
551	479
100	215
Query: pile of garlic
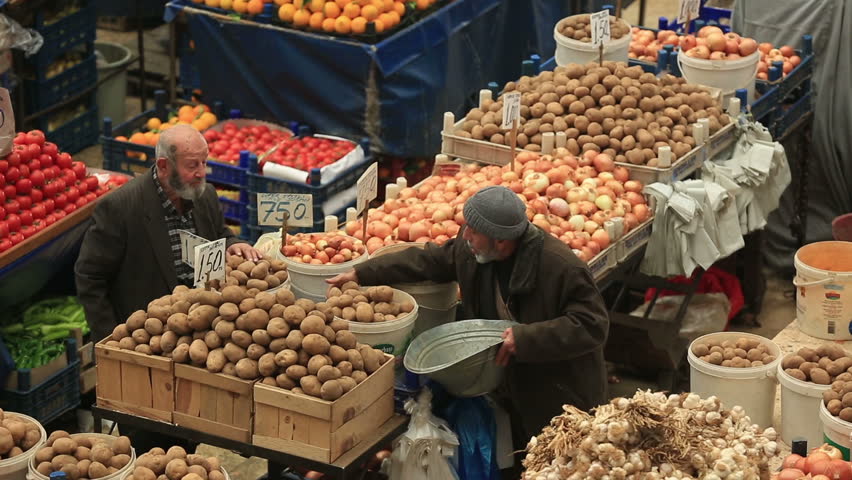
652	437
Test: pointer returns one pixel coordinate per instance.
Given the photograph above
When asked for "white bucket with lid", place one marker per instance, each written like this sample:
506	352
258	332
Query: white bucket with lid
824	290
835	431
16	468
569	50
800	403
109	440
726	75
309	280
437	296
752	388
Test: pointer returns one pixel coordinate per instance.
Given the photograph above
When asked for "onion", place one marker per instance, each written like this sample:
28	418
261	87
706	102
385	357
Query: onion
530	194
605	177
605	191
576	194
634	198
642	212
601	238
617	210
558	206
590	226
600	217
590	183
577	222
574	208
537	182
577	243
351	227
603	163
556	190
616	187
604	202
621	174
587	158
559	174
580	255
541	222
419	229
543	165
593	247
587	208
437	229
630	222
569	184
538	205
587	252
379	229
633	186
790	461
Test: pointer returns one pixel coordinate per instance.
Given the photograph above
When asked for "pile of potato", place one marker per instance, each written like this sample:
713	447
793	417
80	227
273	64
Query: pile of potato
17	435
273	336
176	464
579	27
373	304
263	275
82	457
615	109
825	365
740	353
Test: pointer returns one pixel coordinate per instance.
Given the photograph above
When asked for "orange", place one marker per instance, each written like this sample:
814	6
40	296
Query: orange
121	138
213	3
387	20
154	139
148	138
380	26
186	114
227	4
359	25
328	25
165	126
316	20
331	10
282	2
154	123
255	7
352	10
199	124
301	17
172	121
316	5
388	5
285	13
379	4
370	12
342	3
208	118
394	17
342	24
299	4
240	6
200	108
399	8
423	4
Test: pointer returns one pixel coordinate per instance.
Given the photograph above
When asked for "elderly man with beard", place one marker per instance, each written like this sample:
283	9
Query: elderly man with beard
132	254
509	269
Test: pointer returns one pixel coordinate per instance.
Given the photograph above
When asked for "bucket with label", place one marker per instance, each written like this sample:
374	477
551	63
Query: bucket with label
824	290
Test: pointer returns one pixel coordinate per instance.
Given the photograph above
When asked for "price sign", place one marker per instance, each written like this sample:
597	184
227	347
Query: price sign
367	188
271	208
209	262
511	109
7	123
188	242
600	28
687	11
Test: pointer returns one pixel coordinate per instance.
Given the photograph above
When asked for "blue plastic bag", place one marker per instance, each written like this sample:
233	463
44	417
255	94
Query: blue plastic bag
473	421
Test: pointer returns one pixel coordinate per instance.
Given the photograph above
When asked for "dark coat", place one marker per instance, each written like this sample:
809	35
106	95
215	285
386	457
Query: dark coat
126	259
564	321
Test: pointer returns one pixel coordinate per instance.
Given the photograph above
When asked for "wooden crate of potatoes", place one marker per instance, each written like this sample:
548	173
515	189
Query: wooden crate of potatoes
318	429
215	403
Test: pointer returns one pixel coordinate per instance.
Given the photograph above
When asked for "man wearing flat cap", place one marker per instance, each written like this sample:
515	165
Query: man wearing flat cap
509	269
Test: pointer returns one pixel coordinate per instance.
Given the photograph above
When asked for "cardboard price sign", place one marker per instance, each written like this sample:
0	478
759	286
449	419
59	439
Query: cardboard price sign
299	207
368	187
209	262
511	109
688	11
188	242
600	28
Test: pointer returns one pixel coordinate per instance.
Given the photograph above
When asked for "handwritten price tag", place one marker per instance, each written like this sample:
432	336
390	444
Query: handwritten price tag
188	242
271	208
688	10
511	109
209	262
600	28
367	187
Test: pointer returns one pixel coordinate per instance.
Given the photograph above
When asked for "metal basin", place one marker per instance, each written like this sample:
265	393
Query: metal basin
460	356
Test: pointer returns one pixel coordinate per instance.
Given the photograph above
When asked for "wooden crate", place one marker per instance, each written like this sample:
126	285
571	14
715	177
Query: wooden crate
318	429
88	379
135	383
215	403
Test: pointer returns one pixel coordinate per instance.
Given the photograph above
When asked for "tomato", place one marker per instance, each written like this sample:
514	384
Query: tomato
37	195
92	183
34	151
20	139
64	160
39	225
81	202
70	208
13	174
25	171
60	201
4	164
16	238
59	214
9	191
4	229
24	186
26	217
91	197
45	160
25	201
49	205
60	185
79	169
2	180
37	178
12	206
5	244
72	193
50	149
28	231
50	219
82	186
35	137
38	211
34	164
48	174
13	221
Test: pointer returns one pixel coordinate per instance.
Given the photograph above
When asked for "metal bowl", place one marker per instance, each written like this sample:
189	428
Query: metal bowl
460	355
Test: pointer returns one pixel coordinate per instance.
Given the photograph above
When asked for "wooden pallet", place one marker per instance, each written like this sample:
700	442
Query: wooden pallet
135	383
318	429
215	403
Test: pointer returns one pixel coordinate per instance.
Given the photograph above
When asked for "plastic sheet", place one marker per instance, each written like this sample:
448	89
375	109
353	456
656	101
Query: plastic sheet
13	35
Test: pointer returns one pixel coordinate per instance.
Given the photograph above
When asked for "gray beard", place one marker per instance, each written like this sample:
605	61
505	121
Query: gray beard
184	191
482	258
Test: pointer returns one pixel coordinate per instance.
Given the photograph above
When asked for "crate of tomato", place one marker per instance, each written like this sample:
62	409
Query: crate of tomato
227	139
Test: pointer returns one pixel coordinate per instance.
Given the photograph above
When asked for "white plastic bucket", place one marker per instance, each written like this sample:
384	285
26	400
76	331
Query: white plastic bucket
726	75
835	431
436	296
800	403
752	388
430	318
569	50
16	468
824	290
390	337
109	440
309	280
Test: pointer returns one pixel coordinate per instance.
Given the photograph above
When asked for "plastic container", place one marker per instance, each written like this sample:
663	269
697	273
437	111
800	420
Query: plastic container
751	388
435	296
835	431
109	440
726	75
112	57
16	468
309	280
390	337
800	403
824	297
569	50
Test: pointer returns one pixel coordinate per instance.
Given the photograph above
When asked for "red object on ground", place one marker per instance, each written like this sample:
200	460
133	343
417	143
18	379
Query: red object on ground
841	228
715	280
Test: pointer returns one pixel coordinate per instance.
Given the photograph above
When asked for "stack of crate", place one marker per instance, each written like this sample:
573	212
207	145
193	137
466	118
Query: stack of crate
64	67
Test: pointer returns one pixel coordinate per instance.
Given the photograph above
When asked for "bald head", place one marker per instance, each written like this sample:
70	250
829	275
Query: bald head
182	160
180	139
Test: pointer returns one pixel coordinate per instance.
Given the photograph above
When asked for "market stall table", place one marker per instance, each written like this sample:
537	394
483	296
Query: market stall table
345	467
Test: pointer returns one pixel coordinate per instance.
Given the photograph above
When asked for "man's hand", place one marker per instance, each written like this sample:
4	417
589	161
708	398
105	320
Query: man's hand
339	280
246	251
507	349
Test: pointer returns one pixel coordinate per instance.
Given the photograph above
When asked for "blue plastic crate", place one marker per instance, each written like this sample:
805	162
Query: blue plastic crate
764	106
801	75
787	116
76	29
78	133
227	174
235	211
125	156
42	94
51	398
720	17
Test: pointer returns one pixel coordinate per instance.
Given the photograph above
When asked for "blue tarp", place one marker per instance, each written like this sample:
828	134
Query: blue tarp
394	92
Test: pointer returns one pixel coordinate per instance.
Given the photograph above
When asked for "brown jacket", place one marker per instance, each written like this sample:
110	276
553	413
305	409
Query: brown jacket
126	259
564	321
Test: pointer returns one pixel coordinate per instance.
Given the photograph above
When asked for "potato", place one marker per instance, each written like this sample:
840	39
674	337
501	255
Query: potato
31	438
202	317
176	469
820	376
296	372
83	467
55	435
233	294
339	324
199	470
198	352
136	320
234	352
229	311
311	385
355	359
312	324
327	372
345	368
260	270
61	460
179	323
247	369
347	383
64	446
846	414
294	314
294	340
359	376
44	454
119	461
315	344
285	358
241	338
316	363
